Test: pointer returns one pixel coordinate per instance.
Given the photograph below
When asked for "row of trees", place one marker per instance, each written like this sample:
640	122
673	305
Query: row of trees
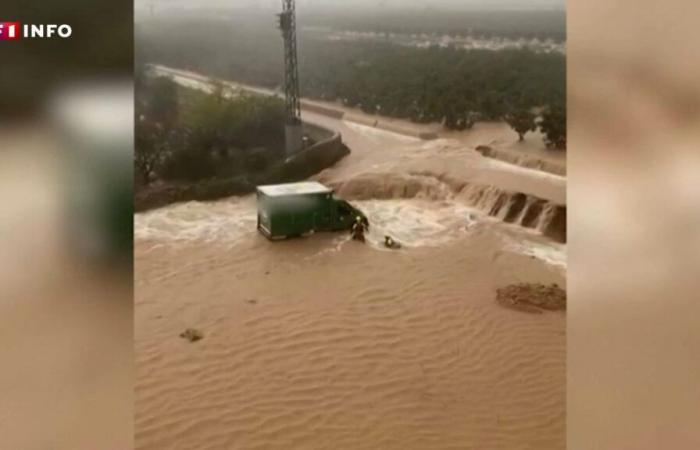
453	86
509	24
447	85
187	135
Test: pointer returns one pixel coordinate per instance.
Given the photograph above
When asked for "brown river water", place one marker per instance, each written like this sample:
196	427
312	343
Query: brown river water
323	342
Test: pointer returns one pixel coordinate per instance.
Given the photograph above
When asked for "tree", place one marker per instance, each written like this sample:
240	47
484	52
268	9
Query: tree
191	158
150	149
163	105
521	121
553	126
220	90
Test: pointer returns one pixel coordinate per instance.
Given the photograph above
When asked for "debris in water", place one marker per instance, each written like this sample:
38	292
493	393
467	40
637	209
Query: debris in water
251	301
532	297
192	335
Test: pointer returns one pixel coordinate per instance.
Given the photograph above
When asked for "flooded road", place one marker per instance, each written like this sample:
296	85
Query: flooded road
321	341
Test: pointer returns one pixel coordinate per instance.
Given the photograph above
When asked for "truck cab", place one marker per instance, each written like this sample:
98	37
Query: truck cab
345	214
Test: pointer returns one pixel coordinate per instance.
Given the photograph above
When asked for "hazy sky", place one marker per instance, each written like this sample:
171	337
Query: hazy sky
408	4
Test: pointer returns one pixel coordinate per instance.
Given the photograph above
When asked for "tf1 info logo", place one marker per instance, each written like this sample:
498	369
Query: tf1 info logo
11	31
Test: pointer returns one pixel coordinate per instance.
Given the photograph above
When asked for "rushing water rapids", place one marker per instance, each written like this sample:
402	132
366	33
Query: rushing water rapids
413	222
417	210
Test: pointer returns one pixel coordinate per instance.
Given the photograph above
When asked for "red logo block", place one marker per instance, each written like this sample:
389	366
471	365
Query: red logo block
9	31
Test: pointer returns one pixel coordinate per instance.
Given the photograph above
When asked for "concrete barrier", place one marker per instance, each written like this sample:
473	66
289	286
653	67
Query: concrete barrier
317	133
327	150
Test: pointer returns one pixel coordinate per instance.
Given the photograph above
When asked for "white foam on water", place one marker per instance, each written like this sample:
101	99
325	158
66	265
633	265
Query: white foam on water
412	223
552	253
416	224
367	130
222	221
425	224
527	171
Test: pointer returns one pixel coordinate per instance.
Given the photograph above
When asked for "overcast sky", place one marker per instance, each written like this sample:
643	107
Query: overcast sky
408	4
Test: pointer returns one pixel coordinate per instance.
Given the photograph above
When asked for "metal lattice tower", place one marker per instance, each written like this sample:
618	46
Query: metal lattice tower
291	70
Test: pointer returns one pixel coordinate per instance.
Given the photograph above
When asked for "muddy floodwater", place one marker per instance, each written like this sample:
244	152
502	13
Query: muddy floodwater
322	342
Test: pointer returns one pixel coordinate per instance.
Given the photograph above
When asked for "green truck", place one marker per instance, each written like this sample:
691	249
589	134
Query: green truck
296	209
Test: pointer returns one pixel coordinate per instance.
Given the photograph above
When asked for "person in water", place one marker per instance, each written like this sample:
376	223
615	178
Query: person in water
358	229
389	242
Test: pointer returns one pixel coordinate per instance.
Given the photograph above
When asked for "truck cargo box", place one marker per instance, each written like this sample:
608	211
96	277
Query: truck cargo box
295	209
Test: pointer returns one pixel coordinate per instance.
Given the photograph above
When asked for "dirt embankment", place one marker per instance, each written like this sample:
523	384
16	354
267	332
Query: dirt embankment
532	297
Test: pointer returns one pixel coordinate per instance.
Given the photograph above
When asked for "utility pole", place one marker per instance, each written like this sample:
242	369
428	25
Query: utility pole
293	128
